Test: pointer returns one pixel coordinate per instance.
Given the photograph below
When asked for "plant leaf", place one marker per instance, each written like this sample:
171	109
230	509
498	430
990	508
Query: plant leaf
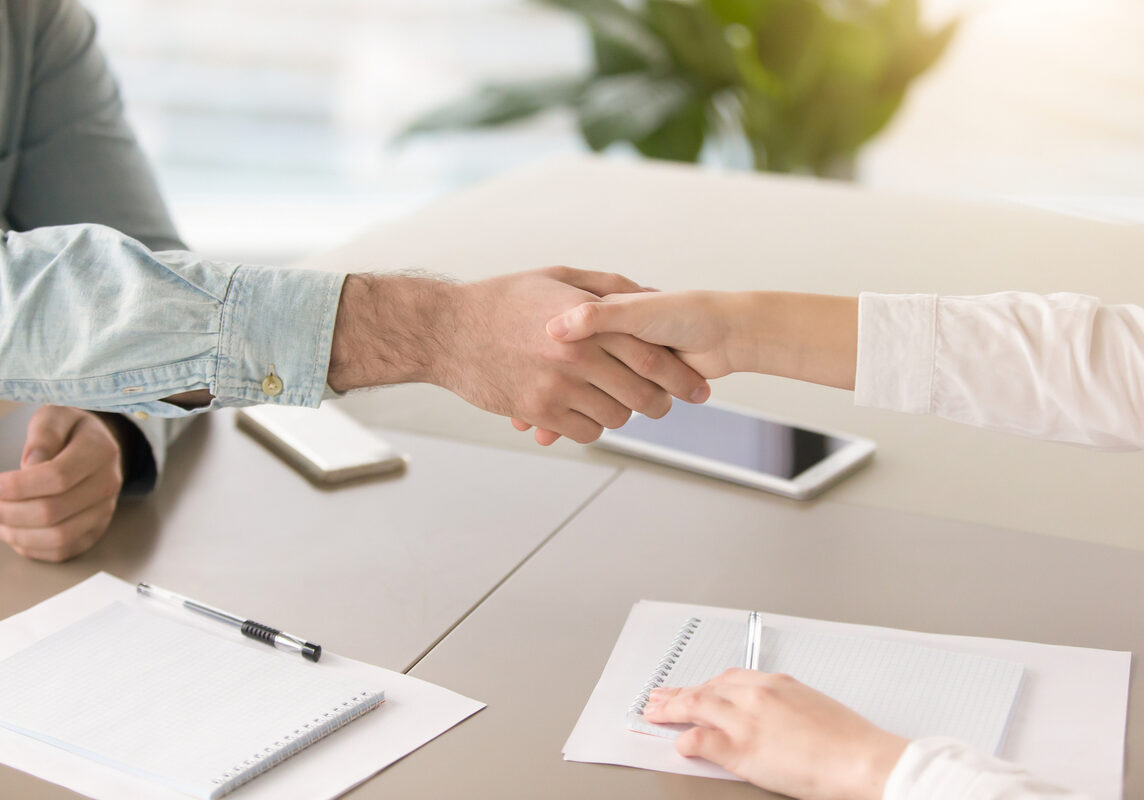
793	42
696	39
497	104
630	107
681	136
736	12
623	29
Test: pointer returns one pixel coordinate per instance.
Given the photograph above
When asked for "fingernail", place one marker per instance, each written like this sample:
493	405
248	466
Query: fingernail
701	394
557	328
655	695
36	456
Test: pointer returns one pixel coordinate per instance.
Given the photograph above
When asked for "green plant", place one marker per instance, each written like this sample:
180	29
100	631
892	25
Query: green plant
803	82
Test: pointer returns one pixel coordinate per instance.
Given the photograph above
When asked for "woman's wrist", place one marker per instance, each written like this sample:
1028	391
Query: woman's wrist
810	337
882	755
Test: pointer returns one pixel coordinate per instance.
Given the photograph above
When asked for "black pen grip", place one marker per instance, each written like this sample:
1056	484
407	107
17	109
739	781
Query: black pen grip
263	633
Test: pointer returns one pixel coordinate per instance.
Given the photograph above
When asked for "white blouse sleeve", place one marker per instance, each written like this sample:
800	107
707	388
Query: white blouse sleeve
945	769
1059	366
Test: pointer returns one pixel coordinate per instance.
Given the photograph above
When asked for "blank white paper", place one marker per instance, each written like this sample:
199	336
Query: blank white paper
415	712
168	702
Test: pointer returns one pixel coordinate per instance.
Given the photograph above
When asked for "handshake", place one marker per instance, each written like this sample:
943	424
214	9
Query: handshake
517	345
572	352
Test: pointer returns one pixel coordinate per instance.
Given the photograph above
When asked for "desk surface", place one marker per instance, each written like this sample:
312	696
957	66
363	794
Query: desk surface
536	648
848	559
235	527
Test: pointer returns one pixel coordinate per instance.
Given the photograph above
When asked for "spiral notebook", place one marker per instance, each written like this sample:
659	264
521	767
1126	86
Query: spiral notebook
196	712
911	690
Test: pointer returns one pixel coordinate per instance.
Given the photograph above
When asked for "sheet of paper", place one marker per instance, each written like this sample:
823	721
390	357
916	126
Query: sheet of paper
415	712
1067	725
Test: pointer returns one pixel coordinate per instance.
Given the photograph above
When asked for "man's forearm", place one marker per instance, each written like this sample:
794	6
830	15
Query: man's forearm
391	329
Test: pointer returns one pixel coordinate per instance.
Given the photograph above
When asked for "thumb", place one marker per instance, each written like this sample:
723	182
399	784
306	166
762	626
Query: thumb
588	319
48	432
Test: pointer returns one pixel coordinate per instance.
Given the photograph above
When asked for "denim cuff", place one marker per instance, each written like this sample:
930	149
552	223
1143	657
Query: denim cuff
275	336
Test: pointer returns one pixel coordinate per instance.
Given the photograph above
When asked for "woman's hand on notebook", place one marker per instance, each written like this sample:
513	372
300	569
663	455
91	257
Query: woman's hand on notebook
781	735
60	501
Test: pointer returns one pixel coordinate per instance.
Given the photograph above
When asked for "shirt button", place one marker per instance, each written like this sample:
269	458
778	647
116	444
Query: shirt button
140	415
272	384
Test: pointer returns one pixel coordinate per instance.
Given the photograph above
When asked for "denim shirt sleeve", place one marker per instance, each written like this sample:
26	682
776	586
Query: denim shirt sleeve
91	318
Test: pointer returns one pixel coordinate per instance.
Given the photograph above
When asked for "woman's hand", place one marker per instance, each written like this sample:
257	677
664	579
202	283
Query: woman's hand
781	735
710	331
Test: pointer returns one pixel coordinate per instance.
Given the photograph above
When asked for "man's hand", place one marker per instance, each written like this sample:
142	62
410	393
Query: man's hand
486	342
60	501
781	735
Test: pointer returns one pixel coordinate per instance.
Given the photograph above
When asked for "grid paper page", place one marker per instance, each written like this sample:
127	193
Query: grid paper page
910	690
907	689
166	701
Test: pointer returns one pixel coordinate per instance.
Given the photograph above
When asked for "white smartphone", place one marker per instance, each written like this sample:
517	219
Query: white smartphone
744	447
325	444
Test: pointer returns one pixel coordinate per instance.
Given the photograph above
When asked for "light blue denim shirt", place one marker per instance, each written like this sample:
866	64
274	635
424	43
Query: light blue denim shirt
91	318
101	306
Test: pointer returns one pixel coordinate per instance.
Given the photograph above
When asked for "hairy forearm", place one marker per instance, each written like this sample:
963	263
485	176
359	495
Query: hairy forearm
809	337
391	329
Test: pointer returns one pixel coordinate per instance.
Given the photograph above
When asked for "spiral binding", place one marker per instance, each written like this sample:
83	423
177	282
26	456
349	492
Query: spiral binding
663	668
297	740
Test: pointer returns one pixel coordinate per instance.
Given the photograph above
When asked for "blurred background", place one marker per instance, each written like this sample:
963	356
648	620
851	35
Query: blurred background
272	123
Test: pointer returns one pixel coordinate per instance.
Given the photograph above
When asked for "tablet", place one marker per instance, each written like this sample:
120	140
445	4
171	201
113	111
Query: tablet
744	447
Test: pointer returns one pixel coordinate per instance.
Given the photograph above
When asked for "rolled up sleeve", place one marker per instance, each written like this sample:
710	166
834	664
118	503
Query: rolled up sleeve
91	318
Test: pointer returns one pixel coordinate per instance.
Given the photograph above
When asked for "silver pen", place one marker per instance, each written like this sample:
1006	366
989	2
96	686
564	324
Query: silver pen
754	640
250	628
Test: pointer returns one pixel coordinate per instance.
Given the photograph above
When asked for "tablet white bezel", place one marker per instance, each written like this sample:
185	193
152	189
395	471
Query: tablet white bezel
803	486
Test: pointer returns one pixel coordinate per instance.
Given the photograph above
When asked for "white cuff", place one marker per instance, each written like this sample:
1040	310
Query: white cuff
929	768
895	351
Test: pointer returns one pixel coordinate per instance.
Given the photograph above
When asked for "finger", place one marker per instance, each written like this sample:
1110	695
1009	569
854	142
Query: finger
87	451
520	424
44	512
709	743
623	315
544	437
77	548
699	705
601	406
48	431
623	386
598	283
61	541
659	366
574	425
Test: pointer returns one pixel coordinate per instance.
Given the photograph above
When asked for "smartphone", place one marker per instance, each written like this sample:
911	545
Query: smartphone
742	446
325	444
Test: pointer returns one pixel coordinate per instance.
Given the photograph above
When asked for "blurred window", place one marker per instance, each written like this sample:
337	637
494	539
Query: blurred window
269	121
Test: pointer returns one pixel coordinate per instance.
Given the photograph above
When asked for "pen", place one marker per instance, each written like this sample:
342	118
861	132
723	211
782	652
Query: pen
250	628
754	639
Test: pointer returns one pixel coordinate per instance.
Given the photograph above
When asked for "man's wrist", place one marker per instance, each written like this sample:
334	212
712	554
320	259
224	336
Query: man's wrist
392	329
